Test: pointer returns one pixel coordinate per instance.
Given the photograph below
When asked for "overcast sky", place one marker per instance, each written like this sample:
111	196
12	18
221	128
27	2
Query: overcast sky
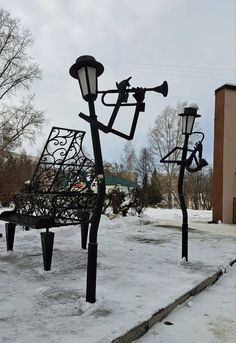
189	43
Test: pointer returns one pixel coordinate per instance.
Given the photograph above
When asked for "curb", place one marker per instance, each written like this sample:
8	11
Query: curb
142	328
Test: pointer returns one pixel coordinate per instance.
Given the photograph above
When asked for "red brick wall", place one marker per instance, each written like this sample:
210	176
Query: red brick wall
218	156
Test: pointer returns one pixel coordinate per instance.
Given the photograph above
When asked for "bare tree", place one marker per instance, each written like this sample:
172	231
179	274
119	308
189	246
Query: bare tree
114	168
144	166
155	189
198	188
18	122
163	137
17	73
10	180
128	158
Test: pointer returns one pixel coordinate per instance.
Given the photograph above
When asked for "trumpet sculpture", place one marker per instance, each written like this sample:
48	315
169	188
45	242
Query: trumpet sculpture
123	91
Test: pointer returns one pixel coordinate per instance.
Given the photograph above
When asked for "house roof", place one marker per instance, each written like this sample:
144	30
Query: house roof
112	180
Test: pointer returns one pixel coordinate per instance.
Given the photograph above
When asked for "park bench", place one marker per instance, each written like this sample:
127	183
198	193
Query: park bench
61	192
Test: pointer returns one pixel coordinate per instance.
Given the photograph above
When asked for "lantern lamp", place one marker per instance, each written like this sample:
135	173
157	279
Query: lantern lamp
188	118
86	70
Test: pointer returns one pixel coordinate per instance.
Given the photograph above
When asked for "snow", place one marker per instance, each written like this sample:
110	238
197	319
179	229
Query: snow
139	271
209	317
194	105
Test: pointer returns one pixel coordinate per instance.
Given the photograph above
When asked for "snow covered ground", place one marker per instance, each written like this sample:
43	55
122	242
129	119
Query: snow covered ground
209	317
138	273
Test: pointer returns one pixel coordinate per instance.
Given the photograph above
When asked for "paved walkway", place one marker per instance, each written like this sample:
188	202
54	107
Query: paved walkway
207	317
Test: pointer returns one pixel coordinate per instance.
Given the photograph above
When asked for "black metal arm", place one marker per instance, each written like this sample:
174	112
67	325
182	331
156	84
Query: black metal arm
195	156
122	100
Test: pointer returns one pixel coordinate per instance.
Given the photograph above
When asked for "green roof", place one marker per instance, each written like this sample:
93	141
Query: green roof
111	180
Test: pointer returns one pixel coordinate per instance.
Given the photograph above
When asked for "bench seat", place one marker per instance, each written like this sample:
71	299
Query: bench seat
34	222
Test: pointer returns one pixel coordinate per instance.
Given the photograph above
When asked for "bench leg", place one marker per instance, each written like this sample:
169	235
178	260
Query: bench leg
10	234
47	239
84	235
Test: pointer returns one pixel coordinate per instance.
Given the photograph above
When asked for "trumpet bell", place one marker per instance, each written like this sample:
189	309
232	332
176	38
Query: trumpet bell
163	89
203	163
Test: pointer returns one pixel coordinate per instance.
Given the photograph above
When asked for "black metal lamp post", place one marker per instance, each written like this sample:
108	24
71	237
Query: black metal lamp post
186	162
86	70
188	118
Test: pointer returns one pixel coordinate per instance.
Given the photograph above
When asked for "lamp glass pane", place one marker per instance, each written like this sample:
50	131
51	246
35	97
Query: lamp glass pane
189	126
184	118
92	75
83	81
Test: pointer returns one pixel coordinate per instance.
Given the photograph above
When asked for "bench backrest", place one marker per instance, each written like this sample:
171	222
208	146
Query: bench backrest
63	167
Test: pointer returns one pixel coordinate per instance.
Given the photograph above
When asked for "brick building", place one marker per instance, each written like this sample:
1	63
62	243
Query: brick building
224	164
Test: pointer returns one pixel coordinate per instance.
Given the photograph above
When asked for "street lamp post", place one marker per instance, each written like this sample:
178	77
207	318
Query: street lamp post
86	70
189	157
188	118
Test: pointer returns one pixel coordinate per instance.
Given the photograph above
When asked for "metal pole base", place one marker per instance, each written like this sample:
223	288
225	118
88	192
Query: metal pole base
185	241
47	239
91	273
10	234
84	235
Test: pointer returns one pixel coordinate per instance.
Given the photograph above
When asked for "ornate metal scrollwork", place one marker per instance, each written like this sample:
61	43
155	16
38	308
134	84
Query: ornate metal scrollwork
61	186
63	167
72	209
64	209
31	204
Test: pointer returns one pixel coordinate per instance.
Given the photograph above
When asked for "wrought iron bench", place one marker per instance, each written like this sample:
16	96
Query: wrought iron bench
60	192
